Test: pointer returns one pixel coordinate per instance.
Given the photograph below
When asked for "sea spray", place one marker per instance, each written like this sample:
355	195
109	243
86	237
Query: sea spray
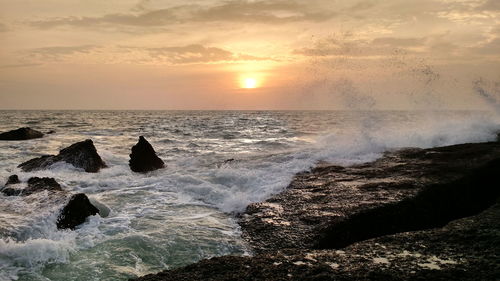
488	91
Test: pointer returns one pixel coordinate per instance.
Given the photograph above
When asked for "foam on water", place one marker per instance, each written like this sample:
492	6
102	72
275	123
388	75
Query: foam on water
178	215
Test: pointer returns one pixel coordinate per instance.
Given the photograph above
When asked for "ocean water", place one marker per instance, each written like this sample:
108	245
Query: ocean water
186	212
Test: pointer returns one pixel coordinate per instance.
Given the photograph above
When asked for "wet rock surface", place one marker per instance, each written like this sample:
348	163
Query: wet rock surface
13	179
143	157
81	155
34	184
25	133
76	212
37	184
428	214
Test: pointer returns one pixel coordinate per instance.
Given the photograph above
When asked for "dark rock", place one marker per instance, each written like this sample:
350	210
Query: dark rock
21	134
8	191
37	184
50	132
13	179
76	212
143	157
433	207
81	155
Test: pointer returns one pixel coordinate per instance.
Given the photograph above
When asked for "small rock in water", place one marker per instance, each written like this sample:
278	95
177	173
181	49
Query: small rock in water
37	184
81	155
143	157
8	191
76	212
13	179
25	133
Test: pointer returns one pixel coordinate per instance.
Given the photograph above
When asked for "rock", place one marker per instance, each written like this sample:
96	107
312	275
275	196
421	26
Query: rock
50	132
435	206
21	134
143	157
9	191
81	155
37	184
13	179
76	212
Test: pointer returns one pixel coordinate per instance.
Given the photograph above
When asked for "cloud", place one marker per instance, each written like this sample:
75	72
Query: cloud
56	53
3	28
349	45
490	48
271	12
399	42
19	65
490	5
194	53
187	54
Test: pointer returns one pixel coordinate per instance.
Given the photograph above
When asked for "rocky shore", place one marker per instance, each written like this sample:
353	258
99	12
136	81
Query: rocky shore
414	214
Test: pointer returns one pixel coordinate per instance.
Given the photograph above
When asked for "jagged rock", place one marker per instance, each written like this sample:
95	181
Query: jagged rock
13	179
35	184
9	191
21	134
143	157
81	155
76	212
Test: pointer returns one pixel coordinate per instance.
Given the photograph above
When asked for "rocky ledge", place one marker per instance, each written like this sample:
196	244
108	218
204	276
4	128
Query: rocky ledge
414	214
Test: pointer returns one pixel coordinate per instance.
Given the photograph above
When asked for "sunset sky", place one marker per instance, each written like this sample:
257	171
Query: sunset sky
213	54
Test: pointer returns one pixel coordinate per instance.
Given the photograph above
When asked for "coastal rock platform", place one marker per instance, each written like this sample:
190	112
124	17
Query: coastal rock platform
414	214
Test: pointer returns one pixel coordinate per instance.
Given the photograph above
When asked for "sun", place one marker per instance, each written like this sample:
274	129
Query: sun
249	83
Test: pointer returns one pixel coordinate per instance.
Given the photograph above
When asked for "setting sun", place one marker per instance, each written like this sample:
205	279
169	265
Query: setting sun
249	83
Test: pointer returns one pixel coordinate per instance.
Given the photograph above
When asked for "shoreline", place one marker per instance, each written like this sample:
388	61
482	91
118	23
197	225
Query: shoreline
288	231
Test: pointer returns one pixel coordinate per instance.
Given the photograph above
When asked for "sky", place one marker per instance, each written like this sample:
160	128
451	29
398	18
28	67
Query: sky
249	54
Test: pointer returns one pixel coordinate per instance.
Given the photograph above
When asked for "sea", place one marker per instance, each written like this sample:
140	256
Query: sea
217	163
